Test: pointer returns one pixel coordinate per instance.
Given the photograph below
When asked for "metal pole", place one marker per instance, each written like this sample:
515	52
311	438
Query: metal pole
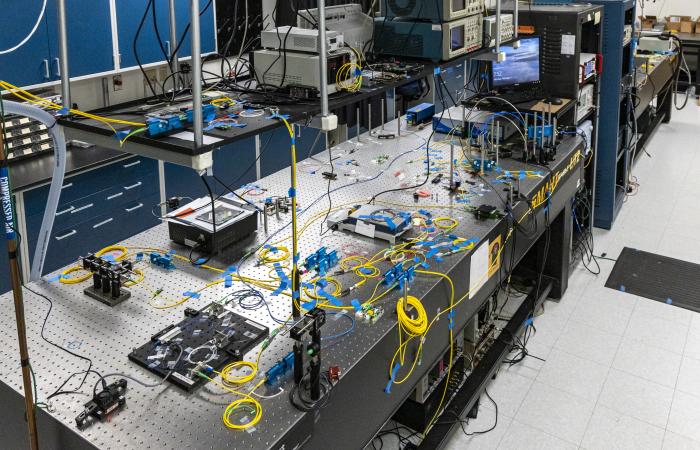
383	112
526	138
323	56
498	26
452	165
369	117
498	139
175	64
12	250
63	54
516	19
358	125
196	73
398	122
483	154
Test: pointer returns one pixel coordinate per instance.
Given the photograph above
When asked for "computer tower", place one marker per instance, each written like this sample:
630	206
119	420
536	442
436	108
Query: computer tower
565	31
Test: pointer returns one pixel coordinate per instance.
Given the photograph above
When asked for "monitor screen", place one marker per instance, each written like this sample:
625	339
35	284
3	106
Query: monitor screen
457	38
459	5
522	65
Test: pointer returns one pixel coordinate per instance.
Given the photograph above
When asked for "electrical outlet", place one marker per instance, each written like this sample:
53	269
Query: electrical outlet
117	83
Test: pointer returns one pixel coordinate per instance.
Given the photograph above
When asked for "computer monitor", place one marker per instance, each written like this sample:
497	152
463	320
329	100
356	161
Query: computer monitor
521	67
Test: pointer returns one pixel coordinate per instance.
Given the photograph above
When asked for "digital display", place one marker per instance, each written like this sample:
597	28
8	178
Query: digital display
457	38
459	5
522	65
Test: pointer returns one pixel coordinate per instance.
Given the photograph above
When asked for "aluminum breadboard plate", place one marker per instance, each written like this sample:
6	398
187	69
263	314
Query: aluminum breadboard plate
166	417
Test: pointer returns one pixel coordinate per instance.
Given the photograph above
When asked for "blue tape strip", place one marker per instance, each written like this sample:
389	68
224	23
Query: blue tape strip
365	271
191	294
309	305
292	193
228	281
120	135
669	301
394	372
55	278
356	304
200	261
322	283
432	253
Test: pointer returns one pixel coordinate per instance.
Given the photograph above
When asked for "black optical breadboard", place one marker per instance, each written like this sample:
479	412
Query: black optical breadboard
657	277
199	335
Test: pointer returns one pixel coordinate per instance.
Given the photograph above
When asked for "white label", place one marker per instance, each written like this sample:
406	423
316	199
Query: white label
437	27
568	44
364	228
597	17
479	269
189	136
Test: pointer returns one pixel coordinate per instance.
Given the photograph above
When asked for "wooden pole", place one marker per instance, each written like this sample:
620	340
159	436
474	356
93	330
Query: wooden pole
12	250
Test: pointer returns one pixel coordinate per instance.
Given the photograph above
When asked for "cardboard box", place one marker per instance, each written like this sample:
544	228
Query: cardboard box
648	22
673	23
687	26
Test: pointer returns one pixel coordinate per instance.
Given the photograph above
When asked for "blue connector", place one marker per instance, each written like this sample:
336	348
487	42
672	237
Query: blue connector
321	261
157	126
164	261
398	275
279	370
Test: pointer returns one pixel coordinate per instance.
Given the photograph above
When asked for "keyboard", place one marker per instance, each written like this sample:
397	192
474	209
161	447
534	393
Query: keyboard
527	95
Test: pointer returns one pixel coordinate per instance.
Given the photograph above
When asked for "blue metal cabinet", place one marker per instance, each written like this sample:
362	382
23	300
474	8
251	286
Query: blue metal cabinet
129	15
276	147
29	64
89	37
97	208
234	164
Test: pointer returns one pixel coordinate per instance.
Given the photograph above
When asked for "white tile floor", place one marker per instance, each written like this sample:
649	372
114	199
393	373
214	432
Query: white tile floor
621	372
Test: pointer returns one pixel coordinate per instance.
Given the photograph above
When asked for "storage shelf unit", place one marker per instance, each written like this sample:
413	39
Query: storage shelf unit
618	57
100	37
